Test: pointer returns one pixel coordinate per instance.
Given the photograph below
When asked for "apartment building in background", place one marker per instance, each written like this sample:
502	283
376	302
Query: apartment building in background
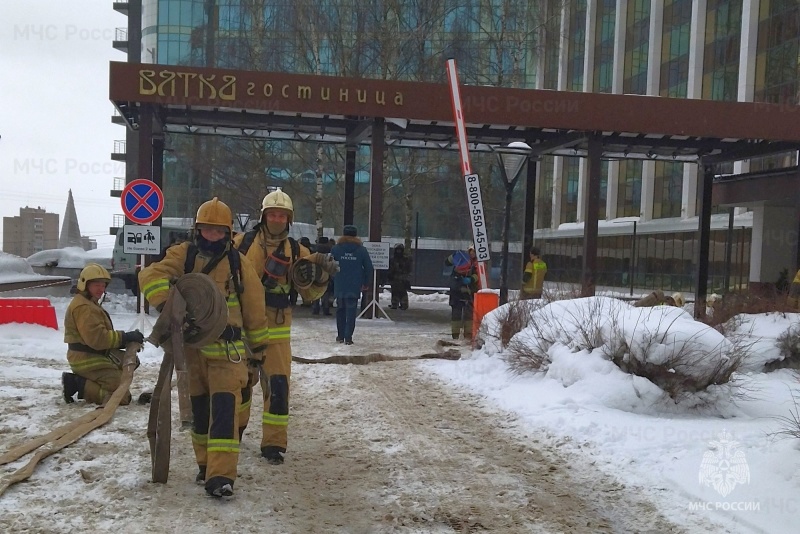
33	230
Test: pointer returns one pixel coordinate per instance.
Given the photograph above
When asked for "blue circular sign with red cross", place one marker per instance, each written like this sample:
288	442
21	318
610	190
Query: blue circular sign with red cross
142	201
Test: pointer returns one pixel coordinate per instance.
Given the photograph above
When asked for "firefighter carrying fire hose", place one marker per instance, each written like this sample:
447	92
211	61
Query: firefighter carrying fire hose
218	371
284	265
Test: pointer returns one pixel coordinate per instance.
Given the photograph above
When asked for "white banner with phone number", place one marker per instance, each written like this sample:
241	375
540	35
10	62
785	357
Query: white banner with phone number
475	203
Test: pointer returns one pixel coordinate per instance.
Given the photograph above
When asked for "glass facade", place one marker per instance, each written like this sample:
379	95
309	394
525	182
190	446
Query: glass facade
677	22
777	59
637	46
576	53
569	190
721	49
629	199
665	261
544	193
604	46
667	190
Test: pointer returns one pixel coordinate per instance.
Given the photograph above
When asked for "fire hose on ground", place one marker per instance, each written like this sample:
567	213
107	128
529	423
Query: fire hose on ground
73	431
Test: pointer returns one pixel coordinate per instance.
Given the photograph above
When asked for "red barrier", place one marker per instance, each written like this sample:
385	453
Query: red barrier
28	310
483	303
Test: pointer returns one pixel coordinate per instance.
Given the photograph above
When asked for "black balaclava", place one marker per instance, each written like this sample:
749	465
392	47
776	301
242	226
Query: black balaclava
211	248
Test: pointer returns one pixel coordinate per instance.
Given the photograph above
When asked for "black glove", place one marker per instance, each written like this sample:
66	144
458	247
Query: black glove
231	333
253	363
160	307
132	337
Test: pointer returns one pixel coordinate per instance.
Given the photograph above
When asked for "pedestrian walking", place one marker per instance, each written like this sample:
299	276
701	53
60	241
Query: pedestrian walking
355	273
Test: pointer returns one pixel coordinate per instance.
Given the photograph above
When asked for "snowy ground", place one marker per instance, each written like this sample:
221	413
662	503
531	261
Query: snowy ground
415	446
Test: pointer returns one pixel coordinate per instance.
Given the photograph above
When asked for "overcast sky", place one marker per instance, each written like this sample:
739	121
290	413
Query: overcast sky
54	110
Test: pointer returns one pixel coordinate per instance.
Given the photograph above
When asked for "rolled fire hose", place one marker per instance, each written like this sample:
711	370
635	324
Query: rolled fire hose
194	296
302	277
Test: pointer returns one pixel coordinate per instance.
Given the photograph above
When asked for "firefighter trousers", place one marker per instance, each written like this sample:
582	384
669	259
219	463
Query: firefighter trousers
102	378
215	389
276	373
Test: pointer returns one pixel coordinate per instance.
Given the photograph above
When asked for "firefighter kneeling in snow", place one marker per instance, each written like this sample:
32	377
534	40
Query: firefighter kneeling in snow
284	265
93	343
218	372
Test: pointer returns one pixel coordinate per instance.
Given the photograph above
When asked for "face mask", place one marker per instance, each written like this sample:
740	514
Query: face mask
276	228
211	248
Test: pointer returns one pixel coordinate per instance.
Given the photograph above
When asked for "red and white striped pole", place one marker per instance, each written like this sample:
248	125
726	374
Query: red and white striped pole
480	236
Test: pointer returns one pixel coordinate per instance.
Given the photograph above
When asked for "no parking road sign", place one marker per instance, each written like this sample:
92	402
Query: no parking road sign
142	201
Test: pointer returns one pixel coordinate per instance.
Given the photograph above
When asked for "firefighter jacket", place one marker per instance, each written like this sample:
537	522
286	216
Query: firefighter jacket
90	334
533	278
278	310
245	311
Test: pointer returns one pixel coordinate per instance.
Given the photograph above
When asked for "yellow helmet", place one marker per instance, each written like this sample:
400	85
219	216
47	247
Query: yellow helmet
278	200
214	212
92	271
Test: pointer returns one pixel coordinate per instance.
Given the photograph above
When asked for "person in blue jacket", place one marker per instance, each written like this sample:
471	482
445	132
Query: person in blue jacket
355	272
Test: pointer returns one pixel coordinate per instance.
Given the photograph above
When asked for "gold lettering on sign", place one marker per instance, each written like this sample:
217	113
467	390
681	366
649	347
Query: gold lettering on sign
186	76
169	83
169	78
206	82
304	92
228	90
146	84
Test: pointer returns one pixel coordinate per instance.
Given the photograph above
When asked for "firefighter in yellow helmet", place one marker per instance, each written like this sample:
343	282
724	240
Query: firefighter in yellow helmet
284	265
90	337
218	372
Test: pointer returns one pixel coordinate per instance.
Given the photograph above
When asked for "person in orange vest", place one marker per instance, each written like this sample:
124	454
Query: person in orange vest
533	277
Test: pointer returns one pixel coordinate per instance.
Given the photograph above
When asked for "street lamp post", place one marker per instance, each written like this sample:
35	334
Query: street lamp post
512	160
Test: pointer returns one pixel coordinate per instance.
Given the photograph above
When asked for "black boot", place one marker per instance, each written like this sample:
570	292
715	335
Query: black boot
145	398
219	487
200	479
72	384
273	454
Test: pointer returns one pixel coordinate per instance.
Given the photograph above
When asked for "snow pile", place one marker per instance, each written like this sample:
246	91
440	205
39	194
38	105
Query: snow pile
69	258
11	264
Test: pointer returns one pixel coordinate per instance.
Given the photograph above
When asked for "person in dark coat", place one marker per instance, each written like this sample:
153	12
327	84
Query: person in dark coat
355	272
399	277
463	285
323	303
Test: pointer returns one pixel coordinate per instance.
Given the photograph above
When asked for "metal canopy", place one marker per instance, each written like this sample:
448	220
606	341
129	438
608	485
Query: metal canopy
330	109
201	101
440	135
